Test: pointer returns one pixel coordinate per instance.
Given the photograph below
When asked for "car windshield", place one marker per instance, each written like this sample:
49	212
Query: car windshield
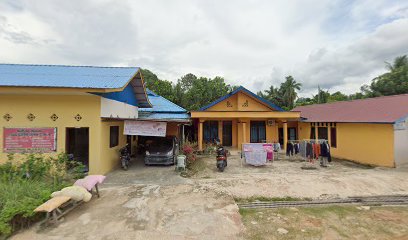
160	145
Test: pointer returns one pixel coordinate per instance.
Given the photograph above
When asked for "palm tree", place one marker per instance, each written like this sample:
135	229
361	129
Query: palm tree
288	90
274	95
399	61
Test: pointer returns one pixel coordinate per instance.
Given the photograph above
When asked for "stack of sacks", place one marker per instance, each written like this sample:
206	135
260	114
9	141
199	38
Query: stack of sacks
90	181
76	193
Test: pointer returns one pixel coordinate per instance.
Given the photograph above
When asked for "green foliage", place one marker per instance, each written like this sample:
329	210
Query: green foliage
190	92
195	92
27	184
284	96
391	83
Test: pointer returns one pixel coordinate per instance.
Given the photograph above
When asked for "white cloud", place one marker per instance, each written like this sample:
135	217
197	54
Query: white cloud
335	44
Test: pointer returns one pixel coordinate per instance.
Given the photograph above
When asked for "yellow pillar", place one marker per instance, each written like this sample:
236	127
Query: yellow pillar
329	134
285	135
316	132
220	131
244	132
200	135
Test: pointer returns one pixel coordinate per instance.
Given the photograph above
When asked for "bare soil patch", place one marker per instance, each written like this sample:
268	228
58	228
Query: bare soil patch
333	222
285	178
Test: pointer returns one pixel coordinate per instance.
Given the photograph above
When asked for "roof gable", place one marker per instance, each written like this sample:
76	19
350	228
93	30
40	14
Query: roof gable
240	104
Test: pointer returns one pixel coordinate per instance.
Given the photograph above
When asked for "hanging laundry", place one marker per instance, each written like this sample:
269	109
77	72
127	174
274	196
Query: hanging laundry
296	147
289	149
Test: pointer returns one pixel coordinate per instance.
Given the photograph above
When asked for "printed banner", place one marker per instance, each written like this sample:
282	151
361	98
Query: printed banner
22	140
145	128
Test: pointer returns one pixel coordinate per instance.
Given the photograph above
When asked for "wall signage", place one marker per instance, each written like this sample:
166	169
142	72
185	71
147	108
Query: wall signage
145	128
29	140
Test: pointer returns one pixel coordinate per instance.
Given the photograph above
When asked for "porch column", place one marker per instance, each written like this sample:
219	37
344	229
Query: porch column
220	131
200	135
285	134
329	134
316	132
244	132
183	140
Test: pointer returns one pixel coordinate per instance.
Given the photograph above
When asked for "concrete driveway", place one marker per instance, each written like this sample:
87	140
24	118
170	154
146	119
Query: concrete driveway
148	203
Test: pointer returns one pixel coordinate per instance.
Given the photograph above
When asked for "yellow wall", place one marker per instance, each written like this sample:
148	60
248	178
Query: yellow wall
43	106
102	158
361	142
222	106
238	102
109	157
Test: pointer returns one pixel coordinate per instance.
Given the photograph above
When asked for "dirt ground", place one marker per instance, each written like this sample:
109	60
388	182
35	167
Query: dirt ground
157	203
286	178
330	222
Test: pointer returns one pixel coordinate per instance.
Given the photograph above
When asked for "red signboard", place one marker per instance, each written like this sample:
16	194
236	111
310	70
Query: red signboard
22	140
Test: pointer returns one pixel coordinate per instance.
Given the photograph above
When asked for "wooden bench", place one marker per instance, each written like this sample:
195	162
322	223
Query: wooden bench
56	207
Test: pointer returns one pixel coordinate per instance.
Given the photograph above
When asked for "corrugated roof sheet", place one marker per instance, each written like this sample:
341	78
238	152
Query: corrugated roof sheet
176	117
24	75
386	109
241	88
160	104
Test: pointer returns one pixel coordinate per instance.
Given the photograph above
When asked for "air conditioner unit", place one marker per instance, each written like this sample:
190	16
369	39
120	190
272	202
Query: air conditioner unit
271	122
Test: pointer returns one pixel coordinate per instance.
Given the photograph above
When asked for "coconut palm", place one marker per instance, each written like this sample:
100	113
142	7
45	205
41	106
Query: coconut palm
289	90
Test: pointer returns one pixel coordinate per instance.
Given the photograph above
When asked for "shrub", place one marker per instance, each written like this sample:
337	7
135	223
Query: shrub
189	149
26	185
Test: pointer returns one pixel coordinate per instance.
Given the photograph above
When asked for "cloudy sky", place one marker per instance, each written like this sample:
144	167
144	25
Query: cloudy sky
338	45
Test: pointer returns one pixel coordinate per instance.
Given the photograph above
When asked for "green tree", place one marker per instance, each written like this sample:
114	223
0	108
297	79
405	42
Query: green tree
322	96
163	88
390	83
273	94
288	91
337	96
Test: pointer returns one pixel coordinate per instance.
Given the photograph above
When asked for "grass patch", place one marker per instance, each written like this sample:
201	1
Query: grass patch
340	211
27	184
246	212
270	199
194	167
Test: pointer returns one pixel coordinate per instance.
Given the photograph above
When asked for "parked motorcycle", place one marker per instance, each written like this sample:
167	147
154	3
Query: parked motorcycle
221	158
125	157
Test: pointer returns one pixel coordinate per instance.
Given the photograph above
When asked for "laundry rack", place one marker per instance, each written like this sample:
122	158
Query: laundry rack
257	154
309	155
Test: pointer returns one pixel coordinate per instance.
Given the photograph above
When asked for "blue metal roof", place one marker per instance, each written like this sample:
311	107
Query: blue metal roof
163	109
24	75
161	105
176	117
241	88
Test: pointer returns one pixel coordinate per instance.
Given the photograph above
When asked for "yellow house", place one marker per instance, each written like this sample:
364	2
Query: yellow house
78	110
371	131
241	117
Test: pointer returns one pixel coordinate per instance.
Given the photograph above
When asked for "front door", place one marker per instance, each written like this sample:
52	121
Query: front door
258	131
227	133
210	131
77	144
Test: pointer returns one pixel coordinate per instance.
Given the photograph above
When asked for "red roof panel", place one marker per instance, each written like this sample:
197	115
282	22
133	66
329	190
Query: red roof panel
387	109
